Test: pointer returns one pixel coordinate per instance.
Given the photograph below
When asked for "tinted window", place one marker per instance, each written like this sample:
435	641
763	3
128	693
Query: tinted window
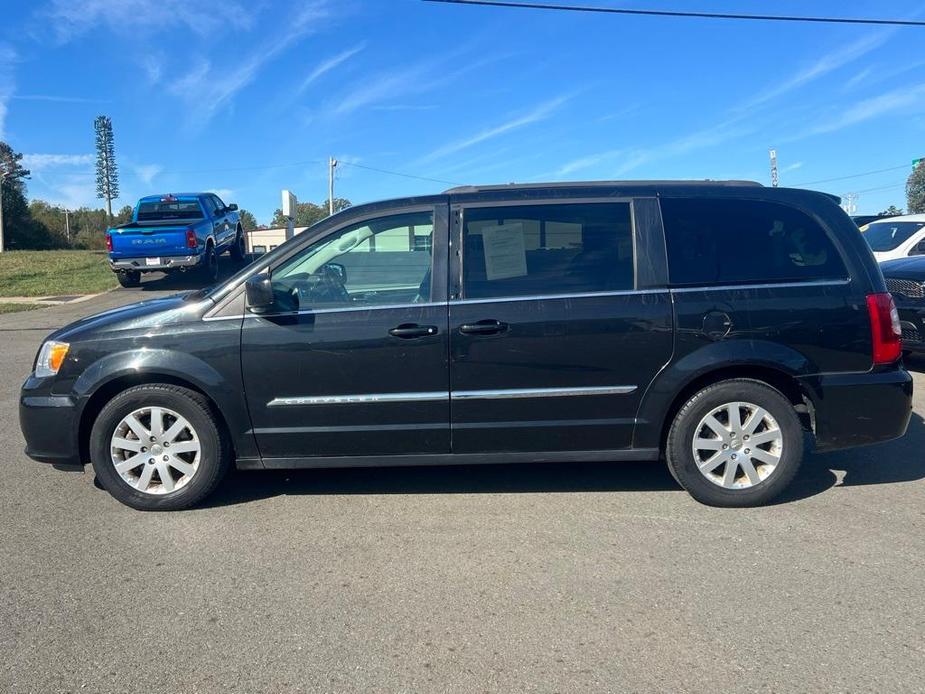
885	236
547	249
382	261
744	241
169	209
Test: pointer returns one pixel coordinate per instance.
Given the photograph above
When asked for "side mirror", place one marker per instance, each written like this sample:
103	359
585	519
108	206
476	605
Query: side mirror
232	207
258	290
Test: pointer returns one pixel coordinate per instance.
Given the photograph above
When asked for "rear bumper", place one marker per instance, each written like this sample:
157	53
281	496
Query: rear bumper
166	263
857	409
49	425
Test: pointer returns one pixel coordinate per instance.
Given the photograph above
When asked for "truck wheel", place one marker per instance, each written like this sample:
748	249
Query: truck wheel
238	250
209	266
736	443
159	447
129	278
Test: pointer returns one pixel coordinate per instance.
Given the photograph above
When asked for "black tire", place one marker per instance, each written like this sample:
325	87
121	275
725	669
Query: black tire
209	267
239	250
684	467
129	278
214	457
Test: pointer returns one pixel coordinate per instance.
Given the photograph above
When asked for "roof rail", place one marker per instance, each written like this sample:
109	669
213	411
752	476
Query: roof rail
602	184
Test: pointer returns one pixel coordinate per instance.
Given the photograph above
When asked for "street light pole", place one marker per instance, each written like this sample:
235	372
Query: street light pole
3	177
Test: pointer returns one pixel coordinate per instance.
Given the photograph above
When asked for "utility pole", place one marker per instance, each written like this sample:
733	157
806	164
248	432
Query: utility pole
3	176
850	202
67	224
775	178
332	164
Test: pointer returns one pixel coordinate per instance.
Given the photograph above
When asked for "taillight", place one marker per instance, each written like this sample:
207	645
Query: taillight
108	241
884	328
191	241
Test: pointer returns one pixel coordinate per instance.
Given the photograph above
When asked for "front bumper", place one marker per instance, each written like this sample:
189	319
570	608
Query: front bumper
178	262
49	425
857	409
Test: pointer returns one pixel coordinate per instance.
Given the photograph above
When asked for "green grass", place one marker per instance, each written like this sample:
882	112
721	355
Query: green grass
54	273
15	308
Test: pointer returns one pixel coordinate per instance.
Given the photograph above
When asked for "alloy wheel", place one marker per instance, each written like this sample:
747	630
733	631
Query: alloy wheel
155	450
737	445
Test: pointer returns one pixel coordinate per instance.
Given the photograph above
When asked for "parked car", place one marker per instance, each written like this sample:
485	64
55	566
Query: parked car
896	237
711	324
171	233
905	278
863	220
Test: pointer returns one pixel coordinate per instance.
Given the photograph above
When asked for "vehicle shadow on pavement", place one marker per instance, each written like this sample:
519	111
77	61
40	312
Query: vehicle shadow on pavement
892	462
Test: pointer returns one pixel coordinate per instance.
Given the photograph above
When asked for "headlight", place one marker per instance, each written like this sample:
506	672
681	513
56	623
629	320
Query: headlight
51	357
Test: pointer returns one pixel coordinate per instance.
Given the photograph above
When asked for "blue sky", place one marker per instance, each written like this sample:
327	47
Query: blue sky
248	97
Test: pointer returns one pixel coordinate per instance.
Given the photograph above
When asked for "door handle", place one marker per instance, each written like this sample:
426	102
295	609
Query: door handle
409	330
483	327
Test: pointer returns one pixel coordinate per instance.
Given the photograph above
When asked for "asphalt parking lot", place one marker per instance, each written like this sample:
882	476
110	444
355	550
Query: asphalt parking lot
603	577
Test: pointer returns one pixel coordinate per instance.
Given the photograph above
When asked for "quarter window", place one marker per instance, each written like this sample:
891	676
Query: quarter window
714	241
547	249
382	261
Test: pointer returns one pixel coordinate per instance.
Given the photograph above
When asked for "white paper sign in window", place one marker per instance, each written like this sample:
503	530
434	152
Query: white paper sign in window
505	251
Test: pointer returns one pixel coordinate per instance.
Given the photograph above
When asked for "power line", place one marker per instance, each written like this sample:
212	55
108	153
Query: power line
398	173
679	13
857	175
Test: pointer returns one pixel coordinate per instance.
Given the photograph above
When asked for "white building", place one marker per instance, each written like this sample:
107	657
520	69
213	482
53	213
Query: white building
260	241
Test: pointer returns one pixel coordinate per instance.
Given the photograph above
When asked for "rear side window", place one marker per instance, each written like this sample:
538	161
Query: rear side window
886	236
547	249
714	241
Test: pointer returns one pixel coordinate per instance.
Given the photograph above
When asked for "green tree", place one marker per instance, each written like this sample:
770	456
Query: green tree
20	230
891	211
107	172
123	216
915	190
308	213
248	221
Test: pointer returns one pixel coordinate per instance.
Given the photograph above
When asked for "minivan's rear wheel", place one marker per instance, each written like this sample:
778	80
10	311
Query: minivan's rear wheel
735	443
158	447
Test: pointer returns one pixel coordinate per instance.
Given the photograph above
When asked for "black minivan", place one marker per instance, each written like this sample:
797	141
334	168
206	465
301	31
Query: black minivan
712	324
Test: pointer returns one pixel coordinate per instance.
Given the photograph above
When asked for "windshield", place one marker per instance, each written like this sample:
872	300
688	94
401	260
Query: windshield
885	236
172	209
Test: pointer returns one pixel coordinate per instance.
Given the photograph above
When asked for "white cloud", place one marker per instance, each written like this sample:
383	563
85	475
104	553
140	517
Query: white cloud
539	113
792	167
8	58
43	162
911	98
326	66
587	162
821	67
57	99
147	172
71	18
209	89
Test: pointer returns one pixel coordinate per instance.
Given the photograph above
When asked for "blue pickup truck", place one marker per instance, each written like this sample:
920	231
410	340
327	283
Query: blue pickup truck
169	233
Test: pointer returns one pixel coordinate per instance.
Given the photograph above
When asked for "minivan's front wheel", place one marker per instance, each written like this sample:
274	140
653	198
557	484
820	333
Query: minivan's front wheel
158	447
735	443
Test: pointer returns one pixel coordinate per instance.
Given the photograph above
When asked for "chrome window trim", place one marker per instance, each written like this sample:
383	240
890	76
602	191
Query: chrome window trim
550	297
430	396
762	285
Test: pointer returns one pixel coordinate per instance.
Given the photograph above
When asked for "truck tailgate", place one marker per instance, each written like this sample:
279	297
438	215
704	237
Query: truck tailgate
149	241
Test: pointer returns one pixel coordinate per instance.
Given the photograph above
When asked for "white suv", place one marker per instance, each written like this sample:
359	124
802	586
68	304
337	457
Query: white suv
896	237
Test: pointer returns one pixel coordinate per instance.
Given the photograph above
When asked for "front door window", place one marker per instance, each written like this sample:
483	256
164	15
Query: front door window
384	261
